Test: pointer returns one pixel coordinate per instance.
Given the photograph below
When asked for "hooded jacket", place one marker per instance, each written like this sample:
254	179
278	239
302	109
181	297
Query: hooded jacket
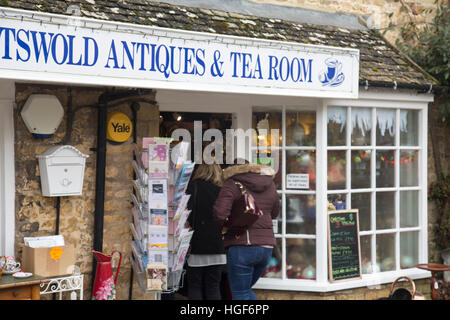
258	181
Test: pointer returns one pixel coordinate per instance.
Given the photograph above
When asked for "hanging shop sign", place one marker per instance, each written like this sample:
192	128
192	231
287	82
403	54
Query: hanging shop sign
119	127
79	50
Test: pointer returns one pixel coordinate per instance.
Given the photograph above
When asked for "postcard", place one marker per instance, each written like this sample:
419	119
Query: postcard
183	180
159	217
157	236
156	277
157	193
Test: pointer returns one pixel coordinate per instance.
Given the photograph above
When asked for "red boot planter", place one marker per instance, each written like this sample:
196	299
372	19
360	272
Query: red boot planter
105	282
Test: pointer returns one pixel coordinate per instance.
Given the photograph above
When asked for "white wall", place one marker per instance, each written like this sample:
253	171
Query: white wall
7	173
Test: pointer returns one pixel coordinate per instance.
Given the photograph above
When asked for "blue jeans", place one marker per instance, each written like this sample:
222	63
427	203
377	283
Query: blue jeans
245	265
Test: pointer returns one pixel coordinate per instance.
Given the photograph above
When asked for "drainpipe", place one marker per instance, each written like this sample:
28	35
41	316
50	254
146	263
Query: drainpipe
100	179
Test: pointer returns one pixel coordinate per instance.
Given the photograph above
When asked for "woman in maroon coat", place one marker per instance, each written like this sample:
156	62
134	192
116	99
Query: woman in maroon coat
248	251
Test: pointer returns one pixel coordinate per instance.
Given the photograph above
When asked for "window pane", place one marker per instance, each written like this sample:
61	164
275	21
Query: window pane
273	269
385	127
409	168
336	170
301	169
280	217
301	214
361	201
361	126
360	169
263	123
409	209
385	213
271	159
409	253
385	168
300	128
301	259
366	254
409	127
337	123
386	251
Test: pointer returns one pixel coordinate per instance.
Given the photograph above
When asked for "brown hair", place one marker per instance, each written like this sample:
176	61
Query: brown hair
209	172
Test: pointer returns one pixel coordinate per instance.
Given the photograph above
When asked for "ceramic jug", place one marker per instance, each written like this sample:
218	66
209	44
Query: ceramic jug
105	281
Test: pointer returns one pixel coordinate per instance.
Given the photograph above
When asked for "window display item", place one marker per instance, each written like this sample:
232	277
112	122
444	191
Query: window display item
62	171
105	282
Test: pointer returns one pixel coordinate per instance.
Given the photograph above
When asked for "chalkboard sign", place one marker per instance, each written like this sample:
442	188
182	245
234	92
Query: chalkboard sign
344	260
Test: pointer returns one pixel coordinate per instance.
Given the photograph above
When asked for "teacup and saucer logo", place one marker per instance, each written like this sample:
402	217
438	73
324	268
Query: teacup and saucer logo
332	76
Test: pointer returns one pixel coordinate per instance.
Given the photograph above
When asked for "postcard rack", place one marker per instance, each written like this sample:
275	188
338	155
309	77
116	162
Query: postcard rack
160	238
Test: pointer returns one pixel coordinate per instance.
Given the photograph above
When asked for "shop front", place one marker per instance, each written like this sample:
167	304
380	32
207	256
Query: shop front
340	116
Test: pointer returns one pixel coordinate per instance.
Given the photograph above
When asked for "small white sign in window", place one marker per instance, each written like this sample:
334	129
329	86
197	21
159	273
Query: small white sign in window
297	181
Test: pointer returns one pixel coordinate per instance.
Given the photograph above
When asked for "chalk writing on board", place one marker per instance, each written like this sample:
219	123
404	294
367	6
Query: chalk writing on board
344	247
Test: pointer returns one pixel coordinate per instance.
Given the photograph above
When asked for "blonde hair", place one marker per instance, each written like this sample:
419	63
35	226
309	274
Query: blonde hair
209	172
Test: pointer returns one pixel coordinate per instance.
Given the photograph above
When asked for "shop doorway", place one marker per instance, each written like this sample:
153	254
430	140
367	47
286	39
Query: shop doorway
170	121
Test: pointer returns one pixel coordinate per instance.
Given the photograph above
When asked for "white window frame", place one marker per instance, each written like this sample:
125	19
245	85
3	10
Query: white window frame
7	173
378	99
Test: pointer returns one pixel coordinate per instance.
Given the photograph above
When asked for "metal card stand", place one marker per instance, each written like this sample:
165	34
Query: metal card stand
175	279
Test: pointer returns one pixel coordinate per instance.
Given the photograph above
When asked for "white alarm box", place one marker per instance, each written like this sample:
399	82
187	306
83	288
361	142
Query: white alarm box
62	171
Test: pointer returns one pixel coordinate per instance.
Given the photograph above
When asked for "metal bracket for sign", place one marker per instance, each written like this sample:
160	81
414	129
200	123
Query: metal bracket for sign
330	261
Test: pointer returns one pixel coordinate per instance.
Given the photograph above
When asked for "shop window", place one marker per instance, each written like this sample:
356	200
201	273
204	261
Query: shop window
371	164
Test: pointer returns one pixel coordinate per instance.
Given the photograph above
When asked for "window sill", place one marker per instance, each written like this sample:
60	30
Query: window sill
368	280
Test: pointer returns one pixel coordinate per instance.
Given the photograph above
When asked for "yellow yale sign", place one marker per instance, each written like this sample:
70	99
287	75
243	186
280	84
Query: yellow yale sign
119	127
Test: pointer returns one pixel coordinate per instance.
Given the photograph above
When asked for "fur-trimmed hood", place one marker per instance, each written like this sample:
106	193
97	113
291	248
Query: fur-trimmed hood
256	177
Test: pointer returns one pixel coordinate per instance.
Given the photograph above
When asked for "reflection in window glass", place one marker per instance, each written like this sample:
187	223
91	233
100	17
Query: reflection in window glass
362	201
271	159
301	128
385	127
366	254
409	127
300	214
409	168
385	168
336	170
409	244
385	251
301	162
385	212
409	209
361	126
273	269
337	123
338	200
301	259
360	169
263	123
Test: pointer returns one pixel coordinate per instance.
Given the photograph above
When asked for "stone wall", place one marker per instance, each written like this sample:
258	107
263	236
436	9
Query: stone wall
36	215
381	291
377	11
